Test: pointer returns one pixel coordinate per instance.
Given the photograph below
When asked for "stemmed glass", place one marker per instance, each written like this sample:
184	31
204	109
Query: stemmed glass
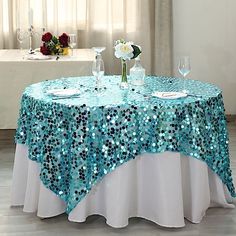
72	42
98	66
21	35
184	69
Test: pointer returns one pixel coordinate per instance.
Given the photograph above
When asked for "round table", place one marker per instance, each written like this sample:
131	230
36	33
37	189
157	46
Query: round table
79	140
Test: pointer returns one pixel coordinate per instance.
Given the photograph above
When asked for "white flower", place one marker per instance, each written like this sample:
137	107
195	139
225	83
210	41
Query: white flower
124	50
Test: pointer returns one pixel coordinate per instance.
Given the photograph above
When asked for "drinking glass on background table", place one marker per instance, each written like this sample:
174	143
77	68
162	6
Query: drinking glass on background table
72	42
21	36
98	66
184	69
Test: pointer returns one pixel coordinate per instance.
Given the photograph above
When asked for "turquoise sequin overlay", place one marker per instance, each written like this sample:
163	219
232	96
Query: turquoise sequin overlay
77	141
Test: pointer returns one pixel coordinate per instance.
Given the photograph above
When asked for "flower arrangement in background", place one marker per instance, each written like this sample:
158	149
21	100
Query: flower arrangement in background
53	45
125	51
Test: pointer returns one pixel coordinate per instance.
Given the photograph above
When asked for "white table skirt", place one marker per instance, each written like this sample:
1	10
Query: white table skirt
164	188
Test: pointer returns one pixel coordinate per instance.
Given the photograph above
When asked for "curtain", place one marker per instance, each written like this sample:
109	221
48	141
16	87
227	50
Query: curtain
147	23
7	26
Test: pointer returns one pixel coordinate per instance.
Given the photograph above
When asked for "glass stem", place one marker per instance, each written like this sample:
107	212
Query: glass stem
124	72
98	82
184	85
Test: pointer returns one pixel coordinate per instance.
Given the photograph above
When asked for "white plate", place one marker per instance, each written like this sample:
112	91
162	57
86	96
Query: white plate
63	92
37	56
169	95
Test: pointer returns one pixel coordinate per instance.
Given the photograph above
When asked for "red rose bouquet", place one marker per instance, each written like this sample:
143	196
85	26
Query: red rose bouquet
53	45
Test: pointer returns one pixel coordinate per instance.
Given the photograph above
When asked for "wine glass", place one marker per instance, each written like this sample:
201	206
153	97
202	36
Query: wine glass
72	42
98	66
21	35
184	69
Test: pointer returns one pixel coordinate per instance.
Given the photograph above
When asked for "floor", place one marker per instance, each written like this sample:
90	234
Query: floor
13	221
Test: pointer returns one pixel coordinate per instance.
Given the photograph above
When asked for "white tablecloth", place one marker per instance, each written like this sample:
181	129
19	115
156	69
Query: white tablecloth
164	188
17	73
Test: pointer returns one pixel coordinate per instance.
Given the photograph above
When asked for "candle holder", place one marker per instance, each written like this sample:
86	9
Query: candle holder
31	33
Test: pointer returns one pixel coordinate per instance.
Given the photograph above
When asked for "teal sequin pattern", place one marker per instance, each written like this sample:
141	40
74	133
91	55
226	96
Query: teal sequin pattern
78	140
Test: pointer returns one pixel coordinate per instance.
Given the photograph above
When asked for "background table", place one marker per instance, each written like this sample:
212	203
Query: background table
17	73
85	146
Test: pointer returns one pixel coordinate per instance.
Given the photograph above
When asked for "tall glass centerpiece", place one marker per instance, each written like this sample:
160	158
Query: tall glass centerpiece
125	51
98	66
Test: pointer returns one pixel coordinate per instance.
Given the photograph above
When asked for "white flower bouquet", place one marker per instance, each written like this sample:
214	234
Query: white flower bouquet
125	51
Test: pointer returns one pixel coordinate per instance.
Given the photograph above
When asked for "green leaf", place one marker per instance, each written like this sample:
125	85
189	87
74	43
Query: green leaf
136	51
55	40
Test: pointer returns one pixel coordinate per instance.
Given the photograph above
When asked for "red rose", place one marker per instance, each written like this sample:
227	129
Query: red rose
44	50
64	39
47	37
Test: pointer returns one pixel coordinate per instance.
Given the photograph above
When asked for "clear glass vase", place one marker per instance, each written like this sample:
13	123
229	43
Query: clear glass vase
124	78
137	73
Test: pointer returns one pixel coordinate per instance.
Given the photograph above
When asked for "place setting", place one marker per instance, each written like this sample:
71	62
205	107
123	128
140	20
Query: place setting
65	93
174	90
96	90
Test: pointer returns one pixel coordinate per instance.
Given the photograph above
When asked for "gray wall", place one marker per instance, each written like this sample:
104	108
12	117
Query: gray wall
206	31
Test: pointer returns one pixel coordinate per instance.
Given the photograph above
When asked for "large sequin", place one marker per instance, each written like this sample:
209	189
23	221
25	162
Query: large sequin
78	141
